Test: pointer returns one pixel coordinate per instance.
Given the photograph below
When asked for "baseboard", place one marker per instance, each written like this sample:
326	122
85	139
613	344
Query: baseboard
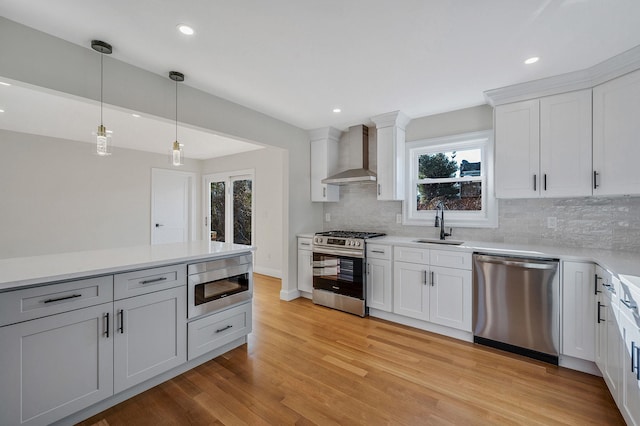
271	272
588	367
422	325
289	295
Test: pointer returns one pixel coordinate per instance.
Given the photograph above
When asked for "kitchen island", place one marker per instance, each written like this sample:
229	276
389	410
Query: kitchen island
83	331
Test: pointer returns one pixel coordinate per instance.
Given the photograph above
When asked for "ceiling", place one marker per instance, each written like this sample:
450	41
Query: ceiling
298	60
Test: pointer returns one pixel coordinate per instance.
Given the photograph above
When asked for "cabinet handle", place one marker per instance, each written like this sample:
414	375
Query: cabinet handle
629	304
368	269
305	244
633	356
637	362
379	190
73	296
121	315
377	251
220	330
595	180
600	305
595	288
154	280
433	280
424	277
324	192
545	181
106	331
535	182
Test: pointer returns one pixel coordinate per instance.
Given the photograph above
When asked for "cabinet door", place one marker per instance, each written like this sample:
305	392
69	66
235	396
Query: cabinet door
305	270
54	366
379	285
600	355
450	298
630	392
615	136
390	161
613	369
578	313
324	162
517	129
150	336
410	290
565	145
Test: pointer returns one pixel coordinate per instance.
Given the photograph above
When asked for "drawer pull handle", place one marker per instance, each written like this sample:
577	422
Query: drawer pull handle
377	251
121	315
629	304
106	331
220	330
633	357
73	296
600	305
305	244
154	280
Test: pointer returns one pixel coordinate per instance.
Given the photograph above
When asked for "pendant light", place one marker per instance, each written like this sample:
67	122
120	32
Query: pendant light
176	148
103	137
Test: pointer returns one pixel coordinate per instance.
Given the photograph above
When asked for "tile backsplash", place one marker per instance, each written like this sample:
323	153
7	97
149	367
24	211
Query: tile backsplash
590	222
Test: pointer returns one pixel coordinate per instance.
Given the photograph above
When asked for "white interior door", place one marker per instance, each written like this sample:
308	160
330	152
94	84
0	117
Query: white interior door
229	207
171	206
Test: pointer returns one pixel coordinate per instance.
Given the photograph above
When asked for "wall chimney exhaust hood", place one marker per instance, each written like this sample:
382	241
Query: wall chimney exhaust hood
358	171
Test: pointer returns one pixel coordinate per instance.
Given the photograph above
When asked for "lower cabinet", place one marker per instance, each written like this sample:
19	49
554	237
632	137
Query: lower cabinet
56	365
411	290
450	296
379	277
305	265
150	336
630	329
578	313
214	331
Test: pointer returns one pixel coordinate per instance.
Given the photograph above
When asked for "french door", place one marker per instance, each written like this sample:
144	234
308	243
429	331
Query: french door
229	202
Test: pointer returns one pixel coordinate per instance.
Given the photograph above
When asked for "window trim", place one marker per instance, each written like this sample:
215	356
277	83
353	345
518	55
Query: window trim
485	218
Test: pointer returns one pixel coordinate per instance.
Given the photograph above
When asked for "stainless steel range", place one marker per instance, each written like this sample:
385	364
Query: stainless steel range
338	270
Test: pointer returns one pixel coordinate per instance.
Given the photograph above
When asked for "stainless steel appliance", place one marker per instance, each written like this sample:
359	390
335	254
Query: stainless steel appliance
219	283
338	270
516	305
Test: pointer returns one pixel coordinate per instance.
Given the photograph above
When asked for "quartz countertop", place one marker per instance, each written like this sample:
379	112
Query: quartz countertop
36	270
617	262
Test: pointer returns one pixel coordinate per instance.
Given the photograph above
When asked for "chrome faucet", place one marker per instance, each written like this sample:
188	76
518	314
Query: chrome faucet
440	221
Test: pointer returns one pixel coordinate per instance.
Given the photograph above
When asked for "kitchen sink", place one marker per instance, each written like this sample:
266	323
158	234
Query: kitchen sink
437	241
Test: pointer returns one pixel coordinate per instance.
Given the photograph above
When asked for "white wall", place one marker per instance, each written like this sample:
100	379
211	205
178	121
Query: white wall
268	191
58	196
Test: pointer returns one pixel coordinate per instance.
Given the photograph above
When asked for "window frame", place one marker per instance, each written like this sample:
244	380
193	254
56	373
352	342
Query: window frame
487	217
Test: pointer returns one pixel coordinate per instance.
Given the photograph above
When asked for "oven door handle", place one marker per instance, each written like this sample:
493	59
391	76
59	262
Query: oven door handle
339	252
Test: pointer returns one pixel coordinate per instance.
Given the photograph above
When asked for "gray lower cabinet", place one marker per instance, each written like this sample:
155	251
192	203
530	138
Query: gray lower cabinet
213	331
57	365
150	336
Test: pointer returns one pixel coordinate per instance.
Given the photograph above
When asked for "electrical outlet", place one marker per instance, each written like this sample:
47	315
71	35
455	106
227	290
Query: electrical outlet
399	218
552	222
327	217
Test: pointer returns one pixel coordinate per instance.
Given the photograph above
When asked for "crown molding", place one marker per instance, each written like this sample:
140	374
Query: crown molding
325	133
613	67
395	118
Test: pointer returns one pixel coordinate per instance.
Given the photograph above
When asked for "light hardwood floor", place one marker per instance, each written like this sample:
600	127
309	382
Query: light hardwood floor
305	364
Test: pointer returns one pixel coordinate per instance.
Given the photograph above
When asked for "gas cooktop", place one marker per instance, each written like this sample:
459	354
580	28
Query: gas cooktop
350	234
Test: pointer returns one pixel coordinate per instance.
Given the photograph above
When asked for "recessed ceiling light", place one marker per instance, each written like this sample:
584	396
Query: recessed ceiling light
135	115
532	60
185	29
2	83
337	110
1	110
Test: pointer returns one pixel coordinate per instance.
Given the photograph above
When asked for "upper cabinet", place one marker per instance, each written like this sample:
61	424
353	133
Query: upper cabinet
543	147
616	109
390	155
324	162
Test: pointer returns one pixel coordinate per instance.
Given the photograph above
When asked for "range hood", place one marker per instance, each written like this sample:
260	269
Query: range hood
358	147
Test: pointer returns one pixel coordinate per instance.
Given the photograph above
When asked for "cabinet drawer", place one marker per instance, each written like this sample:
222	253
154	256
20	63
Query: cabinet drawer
377	251
209	333
36	302
149	280
410	254
305	243
629	296
450	259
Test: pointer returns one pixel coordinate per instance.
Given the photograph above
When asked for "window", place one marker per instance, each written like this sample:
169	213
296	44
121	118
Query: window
456	171
229	209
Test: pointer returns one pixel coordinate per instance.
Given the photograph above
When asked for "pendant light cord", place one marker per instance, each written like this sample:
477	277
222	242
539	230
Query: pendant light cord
101	84
176	110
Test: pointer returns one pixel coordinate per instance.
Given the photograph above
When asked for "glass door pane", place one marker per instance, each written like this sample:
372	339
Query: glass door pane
242	211
217	191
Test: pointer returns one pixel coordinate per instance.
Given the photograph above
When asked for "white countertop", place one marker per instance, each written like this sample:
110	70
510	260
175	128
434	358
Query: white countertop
26	271
617	262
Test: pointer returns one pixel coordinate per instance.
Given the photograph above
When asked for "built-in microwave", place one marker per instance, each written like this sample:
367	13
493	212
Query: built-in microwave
219	283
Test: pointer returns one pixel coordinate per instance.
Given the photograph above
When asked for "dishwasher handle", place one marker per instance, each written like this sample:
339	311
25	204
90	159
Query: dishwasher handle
520	263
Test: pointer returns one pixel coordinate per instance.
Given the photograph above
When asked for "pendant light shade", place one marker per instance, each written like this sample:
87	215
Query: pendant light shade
177	158
103	137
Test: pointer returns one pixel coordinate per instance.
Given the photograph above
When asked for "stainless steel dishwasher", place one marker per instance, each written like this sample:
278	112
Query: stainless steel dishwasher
516	305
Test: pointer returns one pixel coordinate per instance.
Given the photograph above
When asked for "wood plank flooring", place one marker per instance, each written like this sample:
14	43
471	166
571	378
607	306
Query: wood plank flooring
306	364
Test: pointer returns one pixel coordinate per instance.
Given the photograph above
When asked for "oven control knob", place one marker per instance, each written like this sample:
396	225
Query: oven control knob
357	243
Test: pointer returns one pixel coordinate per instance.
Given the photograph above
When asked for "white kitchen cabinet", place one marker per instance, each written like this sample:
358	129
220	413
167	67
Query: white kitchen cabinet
411	290
379	277
578	313
450	297
324	163
390	136
150	336
601	277
53	366
305	265
615	136
629	402
535	142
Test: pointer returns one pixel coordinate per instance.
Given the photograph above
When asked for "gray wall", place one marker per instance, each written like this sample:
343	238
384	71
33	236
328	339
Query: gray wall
608	223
